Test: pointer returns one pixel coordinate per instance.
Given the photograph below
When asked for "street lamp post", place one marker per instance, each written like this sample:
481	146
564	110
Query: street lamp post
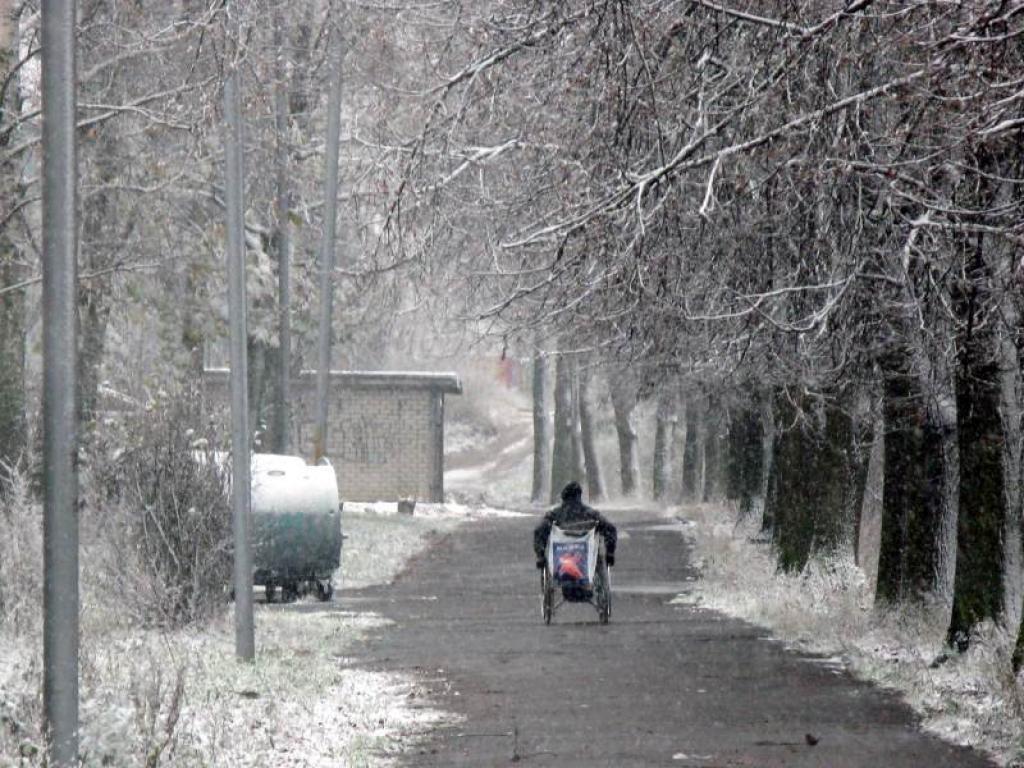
60	358
241	460
328	243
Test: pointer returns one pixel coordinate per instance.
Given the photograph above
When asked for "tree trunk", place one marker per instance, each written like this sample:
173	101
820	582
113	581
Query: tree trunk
12	305
679	449
690	464
700	455
869	538
541	432
916	466
260	366
1012	412
711	455
12	360
978	590
193	339
282	390
94	296
94	315
818	480
595	478
561	455
664	438
579	468
767	465
1013	352
861	455
624	394
792	532
271	423
744	467
837	482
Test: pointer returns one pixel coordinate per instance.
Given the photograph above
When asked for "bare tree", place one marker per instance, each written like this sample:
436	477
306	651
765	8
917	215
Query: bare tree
595	476
541	432
663	441
12	255
624	399
562	465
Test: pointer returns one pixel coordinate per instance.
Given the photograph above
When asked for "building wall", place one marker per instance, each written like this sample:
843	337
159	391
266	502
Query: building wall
385	433
380	441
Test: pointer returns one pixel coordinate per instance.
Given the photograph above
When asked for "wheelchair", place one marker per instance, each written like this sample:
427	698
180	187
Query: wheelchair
576	571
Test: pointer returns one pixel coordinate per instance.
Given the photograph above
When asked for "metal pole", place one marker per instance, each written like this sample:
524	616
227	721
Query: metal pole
327	249
240	459
284	246
60	358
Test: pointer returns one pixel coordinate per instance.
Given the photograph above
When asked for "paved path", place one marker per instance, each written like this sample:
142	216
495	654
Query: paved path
661	685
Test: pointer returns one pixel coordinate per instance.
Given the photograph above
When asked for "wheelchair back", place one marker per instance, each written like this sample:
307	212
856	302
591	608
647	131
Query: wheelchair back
572	554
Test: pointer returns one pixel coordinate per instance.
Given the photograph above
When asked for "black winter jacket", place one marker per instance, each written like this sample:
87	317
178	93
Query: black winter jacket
565	514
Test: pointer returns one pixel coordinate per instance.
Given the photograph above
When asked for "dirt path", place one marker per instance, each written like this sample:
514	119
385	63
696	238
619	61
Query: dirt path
661	685
469	473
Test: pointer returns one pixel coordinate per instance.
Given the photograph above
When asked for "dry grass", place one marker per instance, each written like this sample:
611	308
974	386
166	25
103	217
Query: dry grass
379	545
157	522
21	554
177	697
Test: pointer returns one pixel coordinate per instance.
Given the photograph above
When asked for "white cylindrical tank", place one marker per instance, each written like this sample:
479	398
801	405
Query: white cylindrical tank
296	520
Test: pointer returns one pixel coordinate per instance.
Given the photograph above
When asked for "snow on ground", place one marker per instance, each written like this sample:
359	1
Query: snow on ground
380	540
460	437
828	610
482	476
502	477
179	698
449	510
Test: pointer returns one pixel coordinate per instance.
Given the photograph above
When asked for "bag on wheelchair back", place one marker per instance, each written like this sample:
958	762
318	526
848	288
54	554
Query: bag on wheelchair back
573	559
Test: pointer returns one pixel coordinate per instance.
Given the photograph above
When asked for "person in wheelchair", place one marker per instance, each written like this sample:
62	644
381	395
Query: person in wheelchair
572	511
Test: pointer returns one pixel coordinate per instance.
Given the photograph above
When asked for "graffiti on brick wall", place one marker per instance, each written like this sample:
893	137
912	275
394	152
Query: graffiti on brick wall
368	441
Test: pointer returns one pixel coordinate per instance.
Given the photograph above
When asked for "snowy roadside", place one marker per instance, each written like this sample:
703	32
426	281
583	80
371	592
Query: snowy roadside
970	699
179	698
380	540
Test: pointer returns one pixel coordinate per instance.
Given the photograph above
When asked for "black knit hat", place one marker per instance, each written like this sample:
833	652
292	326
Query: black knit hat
572	491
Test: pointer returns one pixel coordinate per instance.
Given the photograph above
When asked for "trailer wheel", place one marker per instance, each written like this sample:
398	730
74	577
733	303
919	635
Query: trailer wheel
324	590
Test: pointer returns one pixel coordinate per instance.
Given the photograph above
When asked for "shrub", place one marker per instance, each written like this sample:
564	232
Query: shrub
21	553
162	522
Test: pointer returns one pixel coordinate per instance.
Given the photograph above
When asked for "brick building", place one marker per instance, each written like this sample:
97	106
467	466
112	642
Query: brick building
385	432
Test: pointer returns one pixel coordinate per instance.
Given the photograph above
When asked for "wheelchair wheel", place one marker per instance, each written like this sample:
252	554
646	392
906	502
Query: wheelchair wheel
547	595
603	592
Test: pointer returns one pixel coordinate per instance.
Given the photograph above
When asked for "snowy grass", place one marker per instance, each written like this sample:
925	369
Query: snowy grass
970	699
486	405
21	546
381	540
491	485
461	436
503	475
179	698
154	697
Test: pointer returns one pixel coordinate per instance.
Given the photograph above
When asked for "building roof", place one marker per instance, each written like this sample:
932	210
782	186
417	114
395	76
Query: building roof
448	383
